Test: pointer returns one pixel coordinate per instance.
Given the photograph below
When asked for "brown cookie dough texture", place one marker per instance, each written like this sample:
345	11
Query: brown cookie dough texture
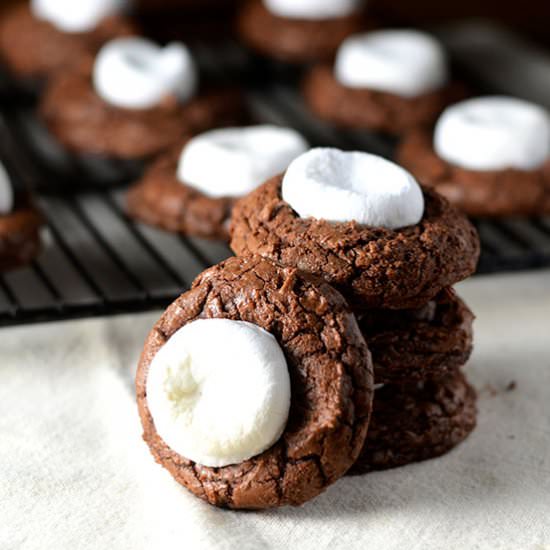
370	109
489	193
331	380
295	40
418	344
371	267
19	237
417	422
84	123
161	200
35	48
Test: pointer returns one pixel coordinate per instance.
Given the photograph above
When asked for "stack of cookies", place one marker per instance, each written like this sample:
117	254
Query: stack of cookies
393	250
331	344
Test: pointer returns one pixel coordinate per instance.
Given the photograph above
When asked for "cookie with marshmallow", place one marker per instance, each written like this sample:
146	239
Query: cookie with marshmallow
488	155
20	224
41	37
362	223
387	80
255	387
135	100
192	190
300	31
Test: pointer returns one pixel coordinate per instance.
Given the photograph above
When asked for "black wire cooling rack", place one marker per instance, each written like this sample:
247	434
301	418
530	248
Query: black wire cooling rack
96	261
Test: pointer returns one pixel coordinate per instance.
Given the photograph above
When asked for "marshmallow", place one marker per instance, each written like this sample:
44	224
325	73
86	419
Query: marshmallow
313	9
340	187
402	62
76	15
6	192
135	73
494	133
231	162
219	391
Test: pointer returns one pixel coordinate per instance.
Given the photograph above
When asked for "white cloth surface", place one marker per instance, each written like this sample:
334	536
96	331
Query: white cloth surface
75	474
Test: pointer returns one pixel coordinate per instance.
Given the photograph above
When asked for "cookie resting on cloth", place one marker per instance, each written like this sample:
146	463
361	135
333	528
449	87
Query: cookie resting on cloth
330	373
411	423
415	344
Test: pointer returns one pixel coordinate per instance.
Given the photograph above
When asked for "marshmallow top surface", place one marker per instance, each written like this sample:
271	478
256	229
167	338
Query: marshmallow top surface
313	9
339	186
402	62
231	162
73	16
6	192
494	133
135	73
219	391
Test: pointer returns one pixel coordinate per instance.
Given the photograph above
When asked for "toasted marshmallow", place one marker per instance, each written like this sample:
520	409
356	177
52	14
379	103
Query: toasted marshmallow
337	186
76	15
135	73
494	133
313	9
6	192
231	162
219	391
406	63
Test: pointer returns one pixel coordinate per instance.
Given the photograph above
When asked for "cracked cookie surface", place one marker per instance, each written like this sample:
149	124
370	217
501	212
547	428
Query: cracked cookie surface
331	380
489	193
372	267
417	422
160	199
410	345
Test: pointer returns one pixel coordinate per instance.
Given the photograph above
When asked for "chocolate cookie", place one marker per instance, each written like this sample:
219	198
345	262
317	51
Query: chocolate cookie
19	237
414	423
160	199
34	48
416	344
295	40
83	122
370	109
489	193
372	267
331	380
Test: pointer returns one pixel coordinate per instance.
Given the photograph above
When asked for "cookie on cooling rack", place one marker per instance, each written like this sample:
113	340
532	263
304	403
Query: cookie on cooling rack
490	156
135	100
41	37
389	81
192	189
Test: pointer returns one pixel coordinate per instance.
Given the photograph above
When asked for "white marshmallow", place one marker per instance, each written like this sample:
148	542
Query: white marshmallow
494	133
231	162
402	62
6	192
135	73
76	15
219	391
313	9
336	186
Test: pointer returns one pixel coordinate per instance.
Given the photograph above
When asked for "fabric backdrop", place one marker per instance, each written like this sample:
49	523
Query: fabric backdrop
74	472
